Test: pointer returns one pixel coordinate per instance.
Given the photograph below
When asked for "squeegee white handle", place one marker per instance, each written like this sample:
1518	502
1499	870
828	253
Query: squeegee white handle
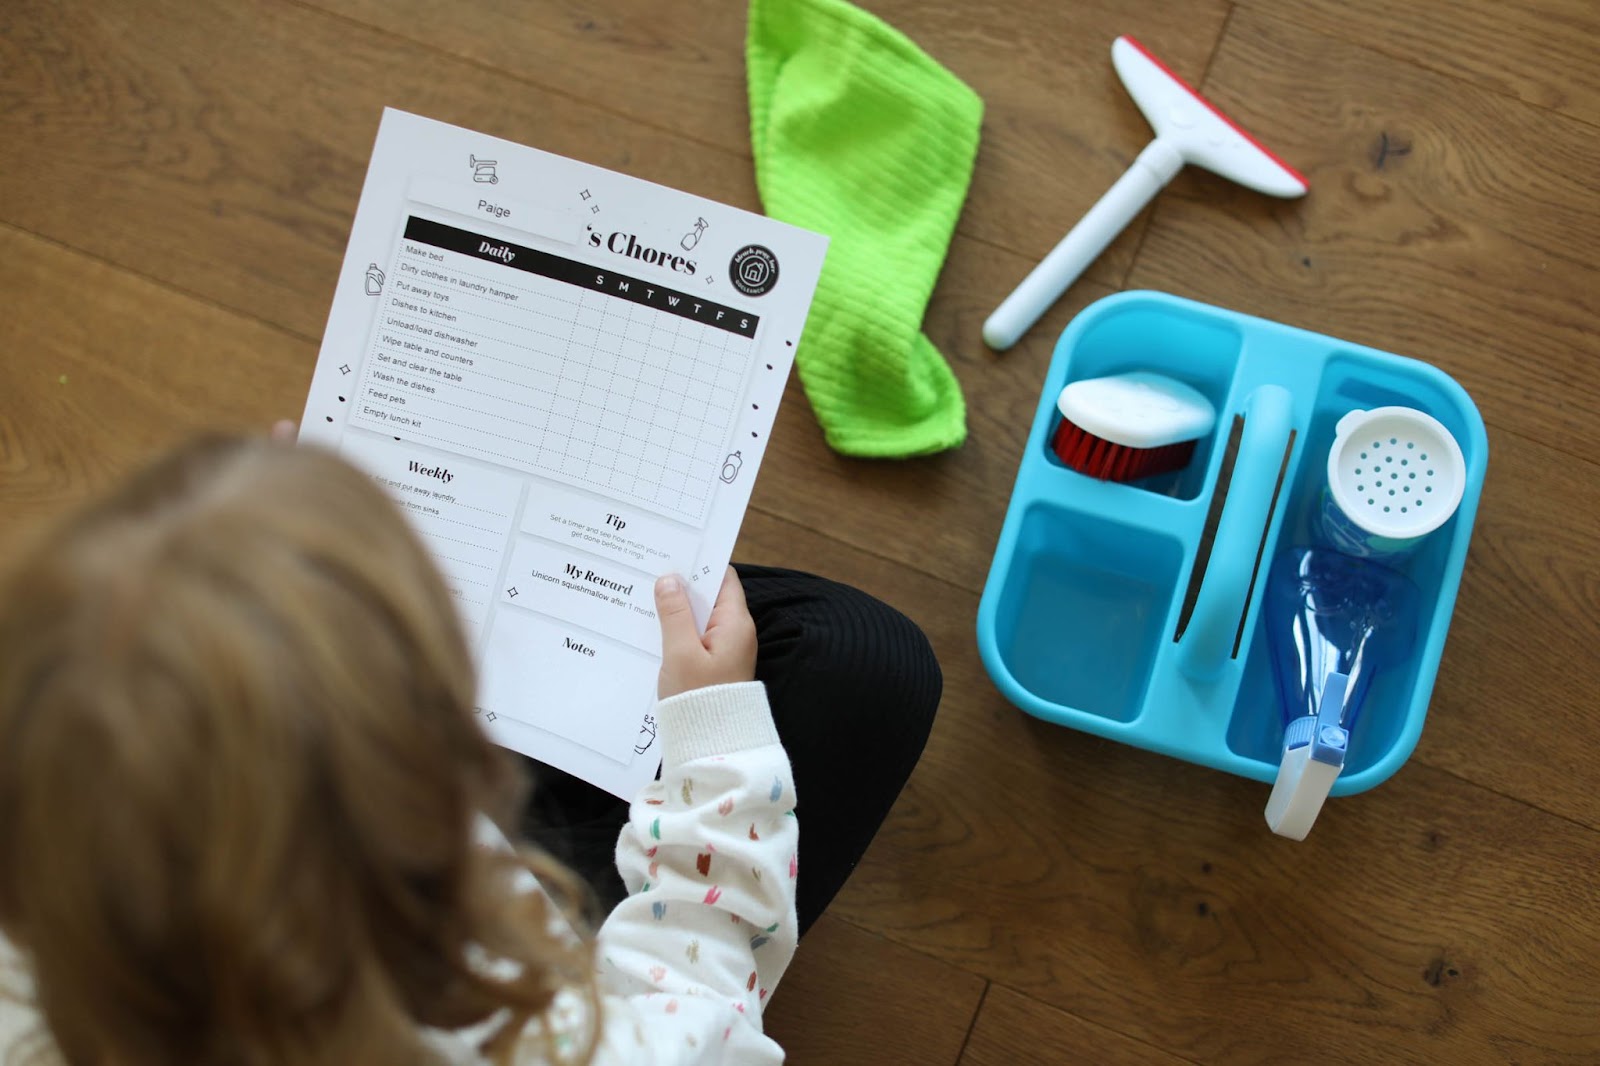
1057	271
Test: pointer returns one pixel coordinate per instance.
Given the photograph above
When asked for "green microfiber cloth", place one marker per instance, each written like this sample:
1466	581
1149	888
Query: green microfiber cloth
860	135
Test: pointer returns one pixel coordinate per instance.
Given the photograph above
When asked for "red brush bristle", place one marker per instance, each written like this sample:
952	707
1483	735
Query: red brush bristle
1099	458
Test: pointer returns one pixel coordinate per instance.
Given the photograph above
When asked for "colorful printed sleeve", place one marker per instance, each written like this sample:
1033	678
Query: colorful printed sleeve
687	962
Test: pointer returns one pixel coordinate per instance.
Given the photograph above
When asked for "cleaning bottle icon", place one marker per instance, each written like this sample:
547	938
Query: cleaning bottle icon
730	467
692	238
374	279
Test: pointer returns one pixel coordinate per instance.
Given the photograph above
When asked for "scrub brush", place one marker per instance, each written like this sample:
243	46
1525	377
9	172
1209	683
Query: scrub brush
1130	426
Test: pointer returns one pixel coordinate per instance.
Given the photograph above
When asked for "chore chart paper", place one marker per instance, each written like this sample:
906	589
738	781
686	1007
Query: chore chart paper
566	377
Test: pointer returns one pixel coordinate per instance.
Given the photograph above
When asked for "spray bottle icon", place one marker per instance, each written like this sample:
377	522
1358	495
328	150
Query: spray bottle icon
692	238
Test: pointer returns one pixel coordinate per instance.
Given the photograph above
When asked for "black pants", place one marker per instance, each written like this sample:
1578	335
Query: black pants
853	686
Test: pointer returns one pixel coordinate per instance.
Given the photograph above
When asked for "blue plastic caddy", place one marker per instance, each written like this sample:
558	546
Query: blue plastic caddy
1079	621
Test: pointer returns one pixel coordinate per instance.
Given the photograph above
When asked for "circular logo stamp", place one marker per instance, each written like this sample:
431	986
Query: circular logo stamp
753	270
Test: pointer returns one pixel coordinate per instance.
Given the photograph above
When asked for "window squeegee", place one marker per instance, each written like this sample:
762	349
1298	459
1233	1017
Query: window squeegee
1188	130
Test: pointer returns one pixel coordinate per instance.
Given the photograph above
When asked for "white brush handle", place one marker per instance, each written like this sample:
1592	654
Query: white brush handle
1044	285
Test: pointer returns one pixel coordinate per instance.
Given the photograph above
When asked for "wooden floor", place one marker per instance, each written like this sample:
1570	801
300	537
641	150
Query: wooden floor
176	184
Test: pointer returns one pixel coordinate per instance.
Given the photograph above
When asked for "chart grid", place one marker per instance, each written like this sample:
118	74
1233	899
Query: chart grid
562	380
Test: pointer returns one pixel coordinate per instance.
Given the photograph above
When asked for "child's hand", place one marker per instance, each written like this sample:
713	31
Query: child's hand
727	652
284	431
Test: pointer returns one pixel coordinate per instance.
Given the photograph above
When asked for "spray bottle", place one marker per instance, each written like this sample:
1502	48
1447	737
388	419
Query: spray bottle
1334	621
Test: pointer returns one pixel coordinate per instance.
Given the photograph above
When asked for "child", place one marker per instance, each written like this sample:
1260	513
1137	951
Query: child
241	782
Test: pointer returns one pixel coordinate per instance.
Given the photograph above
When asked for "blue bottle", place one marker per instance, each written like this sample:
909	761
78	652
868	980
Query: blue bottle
1333	622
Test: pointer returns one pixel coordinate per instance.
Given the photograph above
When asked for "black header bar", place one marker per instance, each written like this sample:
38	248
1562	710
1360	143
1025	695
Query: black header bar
582	275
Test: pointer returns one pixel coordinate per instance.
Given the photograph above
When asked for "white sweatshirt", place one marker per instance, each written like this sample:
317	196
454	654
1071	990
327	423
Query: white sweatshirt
687	962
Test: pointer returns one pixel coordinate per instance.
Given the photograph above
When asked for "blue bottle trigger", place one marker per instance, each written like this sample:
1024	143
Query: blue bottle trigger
1314	748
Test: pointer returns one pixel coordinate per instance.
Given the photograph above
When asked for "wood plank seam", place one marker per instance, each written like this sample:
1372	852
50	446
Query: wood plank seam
555	89
1402	57
189	294
972	1024
1157	1049
1222	35
1446	770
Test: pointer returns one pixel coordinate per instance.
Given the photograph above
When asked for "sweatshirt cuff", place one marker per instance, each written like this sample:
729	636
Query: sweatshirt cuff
717	720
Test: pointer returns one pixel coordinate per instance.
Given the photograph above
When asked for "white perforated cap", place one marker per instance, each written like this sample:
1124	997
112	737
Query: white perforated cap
1395	471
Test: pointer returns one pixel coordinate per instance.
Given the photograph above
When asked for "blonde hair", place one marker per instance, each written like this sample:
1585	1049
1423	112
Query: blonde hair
239	773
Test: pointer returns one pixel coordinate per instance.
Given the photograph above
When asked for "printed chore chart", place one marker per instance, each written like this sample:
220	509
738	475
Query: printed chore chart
566	378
